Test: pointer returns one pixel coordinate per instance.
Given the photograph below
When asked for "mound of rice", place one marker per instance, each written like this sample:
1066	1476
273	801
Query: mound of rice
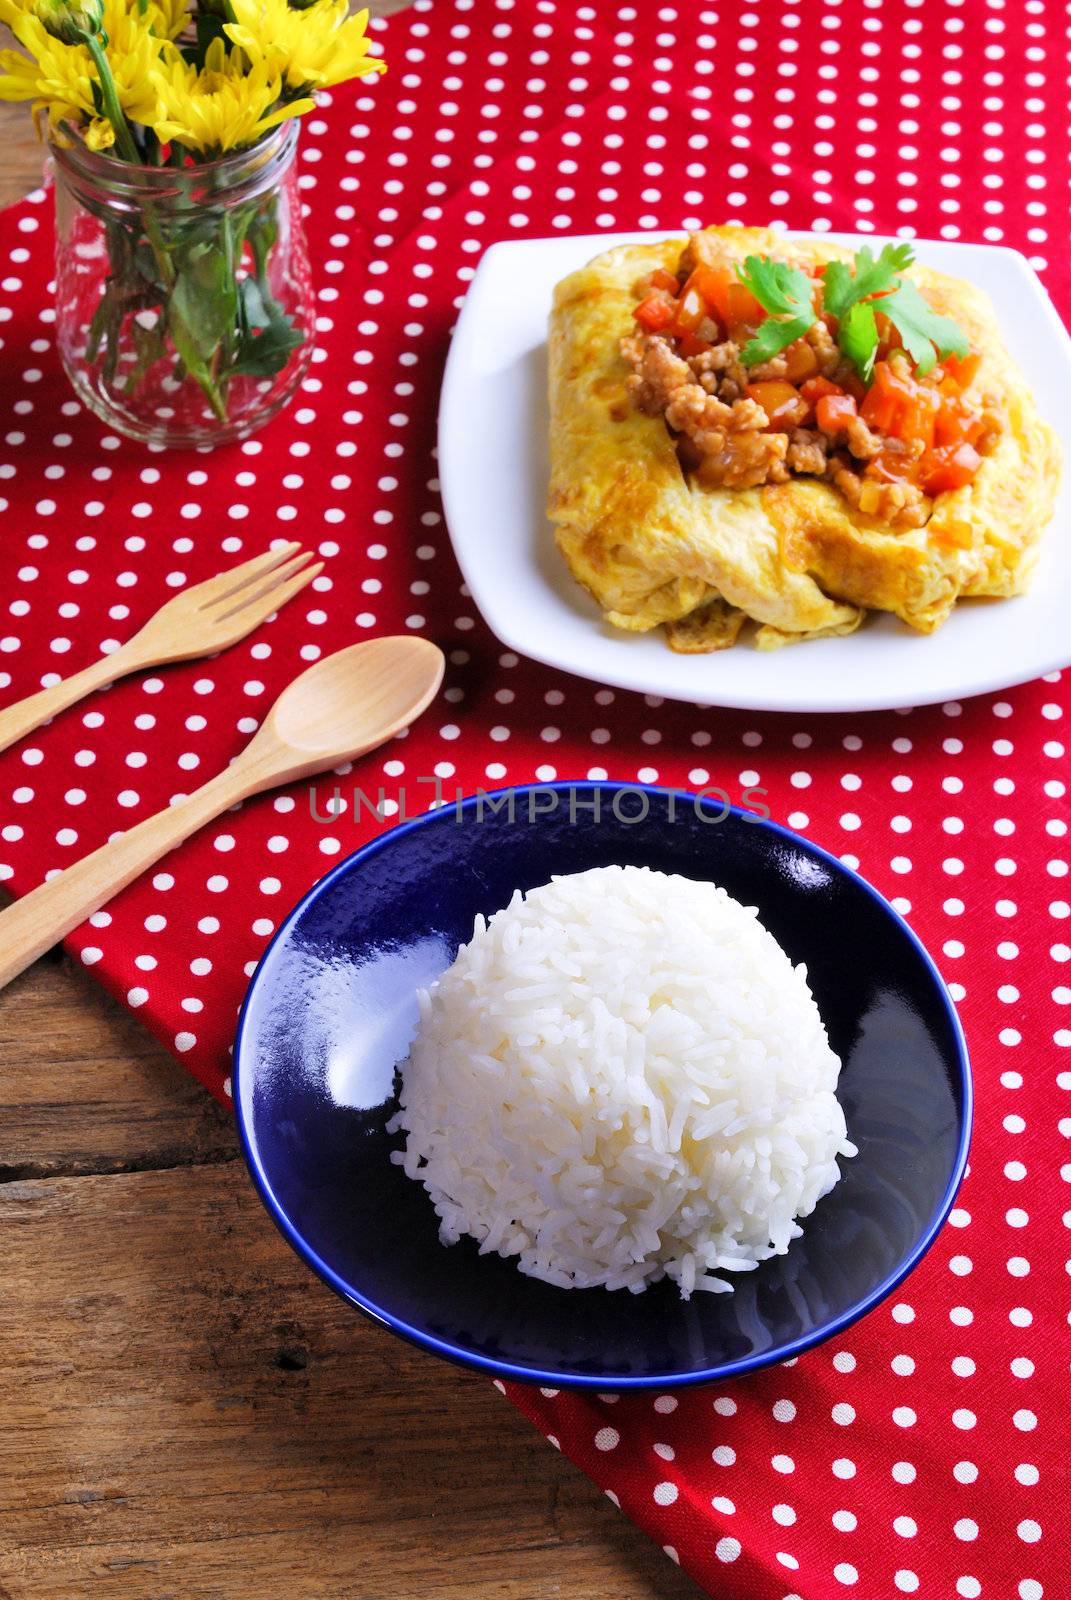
621	1077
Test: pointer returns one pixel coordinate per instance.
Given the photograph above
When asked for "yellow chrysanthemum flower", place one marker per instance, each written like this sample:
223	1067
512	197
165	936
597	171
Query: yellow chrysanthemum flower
221	107
167	18
310	48
55	77
58	78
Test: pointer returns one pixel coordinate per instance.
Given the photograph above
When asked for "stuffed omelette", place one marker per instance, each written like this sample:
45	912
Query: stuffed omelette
750	428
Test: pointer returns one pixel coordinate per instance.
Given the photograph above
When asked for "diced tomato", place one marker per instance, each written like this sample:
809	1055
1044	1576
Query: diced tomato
743	313
890	401
728	299
835	411
948	468
690	344
662	279
782	402
691	310
880	406
890	465
956	423
655	313
963	369
713	284
800	362
897	404
815	388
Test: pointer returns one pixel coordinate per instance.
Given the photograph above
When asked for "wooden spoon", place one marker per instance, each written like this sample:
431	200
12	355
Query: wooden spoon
342	707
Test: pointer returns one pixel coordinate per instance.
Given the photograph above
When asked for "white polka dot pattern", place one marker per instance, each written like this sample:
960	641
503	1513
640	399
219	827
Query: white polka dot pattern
920	1452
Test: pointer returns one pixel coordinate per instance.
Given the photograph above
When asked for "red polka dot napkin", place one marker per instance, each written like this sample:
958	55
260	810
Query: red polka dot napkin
925	1451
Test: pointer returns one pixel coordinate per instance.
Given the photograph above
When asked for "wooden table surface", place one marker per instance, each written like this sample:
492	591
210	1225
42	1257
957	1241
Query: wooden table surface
187	1413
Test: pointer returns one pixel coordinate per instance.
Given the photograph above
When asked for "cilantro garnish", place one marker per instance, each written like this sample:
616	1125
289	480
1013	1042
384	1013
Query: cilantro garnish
857	335
845	288
852	294
849	296
788	295
922	328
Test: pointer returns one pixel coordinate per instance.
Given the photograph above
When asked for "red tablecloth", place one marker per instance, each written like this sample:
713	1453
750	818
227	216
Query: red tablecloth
925	1452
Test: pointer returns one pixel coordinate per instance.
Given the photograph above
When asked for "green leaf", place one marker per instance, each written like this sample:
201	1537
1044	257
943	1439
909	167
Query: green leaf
202	309
787	294
262	232
922	328
858	338
839	281
203	302
779	289
261	355
251	308
849	296
770	339
845	288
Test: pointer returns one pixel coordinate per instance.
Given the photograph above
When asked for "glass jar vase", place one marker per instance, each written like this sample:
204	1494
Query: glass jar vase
184	307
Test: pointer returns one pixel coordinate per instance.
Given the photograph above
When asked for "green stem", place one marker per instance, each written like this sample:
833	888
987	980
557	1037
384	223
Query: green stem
129	152
223	349
98	325
215	400
112	109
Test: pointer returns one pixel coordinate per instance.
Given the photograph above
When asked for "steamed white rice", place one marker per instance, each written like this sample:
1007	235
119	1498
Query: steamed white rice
623	1077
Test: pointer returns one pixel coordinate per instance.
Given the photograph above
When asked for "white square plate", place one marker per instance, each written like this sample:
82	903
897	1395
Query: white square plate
493	467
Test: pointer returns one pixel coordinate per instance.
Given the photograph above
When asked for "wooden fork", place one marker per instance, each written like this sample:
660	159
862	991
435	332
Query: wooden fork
195	622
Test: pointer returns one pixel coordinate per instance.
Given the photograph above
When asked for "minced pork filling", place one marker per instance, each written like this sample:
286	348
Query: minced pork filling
889	445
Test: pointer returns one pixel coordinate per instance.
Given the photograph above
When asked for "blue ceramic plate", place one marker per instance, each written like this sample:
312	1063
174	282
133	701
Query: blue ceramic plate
332	1007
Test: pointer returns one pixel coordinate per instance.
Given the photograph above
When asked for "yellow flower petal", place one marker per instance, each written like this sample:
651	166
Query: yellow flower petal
226	105
167	18
55	76
312	48
60	77
238	96
100	135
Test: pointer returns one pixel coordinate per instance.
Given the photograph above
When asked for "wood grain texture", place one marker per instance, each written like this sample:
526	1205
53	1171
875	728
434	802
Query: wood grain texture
24	159
189	1415
84	1088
